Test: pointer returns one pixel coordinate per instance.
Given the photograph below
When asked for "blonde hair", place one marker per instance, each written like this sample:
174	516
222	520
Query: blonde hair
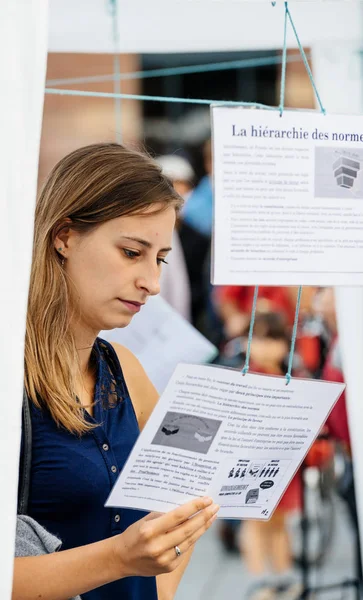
89	186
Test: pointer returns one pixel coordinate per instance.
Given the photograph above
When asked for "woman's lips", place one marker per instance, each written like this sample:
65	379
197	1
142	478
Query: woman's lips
133	307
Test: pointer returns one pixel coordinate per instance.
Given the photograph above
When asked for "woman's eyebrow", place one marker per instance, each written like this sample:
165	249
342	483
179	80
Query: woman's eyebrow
144	243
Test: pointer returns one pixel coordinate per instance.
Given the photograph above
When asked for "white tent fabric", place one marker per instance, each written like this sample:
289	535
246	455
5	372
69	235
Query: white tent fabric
338	77
23	48
196	25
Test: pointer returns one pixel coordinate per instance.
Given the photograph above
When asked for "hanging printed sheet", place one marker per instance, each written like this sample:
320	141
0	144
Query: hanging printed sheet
239	439
288	198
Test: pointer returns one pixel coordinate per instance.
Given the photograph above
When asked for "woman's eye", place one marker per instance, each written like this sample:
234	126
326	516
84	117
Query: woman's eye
130	253
162	260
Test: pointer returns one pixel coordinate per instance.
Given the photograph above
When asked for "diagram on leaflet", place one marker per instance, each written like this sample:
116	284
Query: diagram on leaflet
187	432
251	482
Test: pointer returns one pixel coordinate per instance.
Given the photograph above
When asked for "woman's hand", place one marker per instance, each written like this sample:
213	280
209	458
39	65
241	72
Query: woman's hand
147	548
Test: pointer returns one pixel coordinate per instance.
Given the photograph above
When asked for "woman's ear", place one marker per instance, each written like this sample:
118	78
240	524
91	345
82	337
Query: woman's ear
62	236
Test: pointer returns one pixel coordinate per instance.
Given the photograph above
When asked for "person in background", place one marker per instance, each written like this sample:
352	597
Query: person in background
234	304
337	422
198	210
265	546
314	336
195	235
174	281
179	170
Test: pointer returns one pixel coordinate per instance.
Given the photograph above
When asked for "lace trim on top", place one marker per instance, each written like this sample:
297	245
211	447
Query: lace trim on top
110	385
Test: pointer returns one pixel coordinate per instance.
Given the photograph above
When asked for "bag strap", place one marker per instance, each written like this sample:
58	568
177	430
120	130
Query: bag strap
25	469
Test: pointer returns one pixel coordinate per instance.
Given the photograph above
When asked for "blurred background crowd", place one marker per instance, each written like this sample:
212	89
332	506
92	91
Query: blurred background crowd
178	136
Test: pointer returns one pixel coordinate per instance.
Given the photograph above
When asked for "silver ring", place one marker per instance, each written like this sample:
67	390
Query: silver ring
178	552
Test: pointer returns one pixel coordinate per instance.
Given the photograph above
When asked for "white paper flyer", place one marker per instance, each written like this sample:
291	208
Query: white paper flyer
216	432
288	198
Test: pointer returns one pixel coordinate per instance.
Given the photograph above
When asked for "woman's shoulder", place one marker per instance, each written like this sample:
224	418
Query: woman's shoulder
142	392
127	360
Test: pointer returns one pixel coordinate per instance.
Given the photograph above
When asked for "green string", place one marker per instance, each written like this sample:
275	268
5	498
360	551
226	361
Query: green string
305	60
293	338
117	71
255	295
303	55
247	63
282	105
283	68
63	92
250	333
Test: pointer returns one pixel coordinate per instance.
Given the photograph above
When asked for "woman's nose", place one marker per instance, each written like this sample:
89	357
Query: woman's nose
150	282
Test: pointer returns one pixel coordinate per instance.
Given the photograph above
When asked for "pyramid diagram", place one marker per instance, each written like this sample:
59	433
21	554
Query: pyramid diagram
345	171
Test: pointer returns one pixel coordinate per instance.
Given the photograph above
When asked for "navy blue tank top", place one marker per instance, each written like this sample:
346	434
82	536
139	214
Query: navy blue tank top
72	476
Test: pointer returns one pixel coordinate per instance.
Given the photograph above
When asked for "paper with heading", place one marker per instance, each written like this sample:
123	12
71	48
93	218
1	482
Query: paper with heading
216	432
161	338
288	192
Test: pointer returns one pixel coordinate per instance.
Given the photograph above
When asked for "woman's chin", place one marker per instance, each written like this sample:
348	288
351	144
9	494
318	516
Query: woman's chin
117	323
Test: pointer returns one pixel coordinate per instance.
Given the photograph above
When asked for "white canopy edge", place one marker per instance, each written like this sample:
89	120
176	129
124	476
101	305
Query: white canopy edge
197	25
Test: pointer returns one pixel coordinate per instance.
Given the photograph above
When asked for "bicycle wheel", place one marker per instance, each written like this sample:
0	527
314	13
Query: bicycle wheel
318	520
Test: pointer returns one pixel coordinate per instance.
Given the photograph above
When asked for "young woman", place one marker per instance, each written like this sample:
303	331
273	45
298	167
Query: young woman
103	228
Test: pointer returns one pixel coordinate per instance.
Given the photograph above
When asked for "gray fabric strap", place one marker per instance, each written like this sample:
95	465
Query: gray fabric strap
24	483
33	540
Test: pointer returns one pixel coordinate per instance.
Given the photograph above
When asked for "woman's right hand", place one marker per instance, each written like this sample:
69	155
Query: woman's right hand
147	548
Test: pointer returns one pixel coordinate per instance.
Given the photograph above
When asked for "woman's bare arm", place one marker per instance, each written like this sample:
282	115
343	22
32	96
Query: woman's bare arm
145	549
168	583
62	575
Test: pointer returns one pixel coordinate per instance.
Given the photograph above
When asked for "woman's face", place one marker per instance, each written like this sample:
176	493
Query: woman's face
116	267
